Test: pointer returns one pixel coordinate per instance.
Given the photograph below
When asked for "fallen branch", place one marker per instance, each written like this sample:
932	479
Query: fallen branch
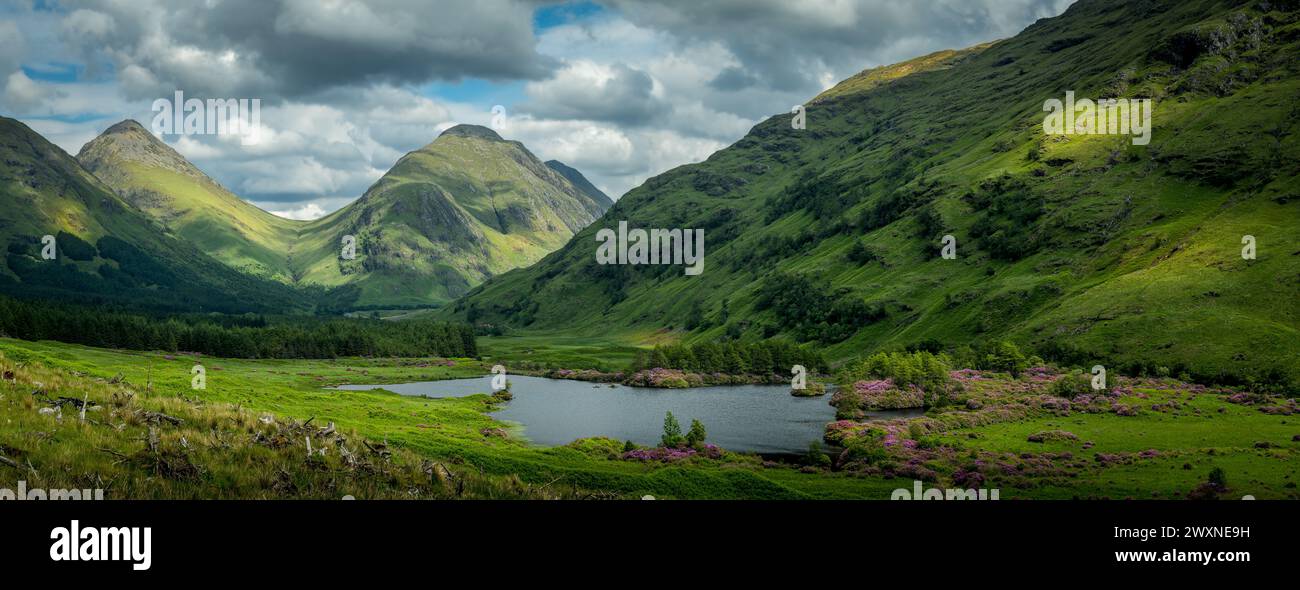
159	417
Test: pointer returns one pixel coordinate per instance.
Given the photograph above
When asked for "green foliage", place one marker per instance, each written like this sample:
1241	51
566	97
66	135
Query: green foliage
1071	385
859	253
925	370
820	197
865	449
1218	478
815	311
816	457
1003	356
234	336
769	357
74	247
1009	210
672	436
696	436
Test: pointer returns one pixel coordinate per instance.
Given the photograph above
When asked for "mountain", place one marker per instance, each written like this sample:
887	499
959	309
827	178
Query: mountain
595	195
467	206
157	180
445	217
107	251
1087	248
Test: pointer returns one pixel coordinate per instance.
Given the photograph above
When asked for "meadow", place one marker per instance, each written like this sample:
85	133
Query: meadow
246	435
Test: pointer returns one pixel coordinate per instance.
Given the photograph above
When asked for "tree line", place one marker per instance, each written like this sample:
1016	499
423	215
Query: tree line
248	336
733	358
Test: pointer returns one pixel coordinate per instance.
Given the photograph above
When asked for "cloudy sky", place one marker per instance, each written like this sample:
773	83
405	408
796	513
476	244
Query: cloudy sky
619	89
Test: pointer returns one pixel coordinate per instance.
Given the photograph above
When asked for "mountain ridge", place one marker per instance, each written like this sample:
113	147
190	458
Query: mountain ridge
1087	248
153	177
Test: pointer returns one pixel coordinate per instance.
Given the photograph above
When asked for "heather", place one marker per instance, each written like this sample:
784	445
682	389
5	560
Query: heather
1027	417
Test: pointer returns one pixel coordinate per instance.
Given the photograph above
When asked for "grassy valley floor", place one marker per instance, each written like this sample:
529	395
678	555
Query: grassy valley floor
244	437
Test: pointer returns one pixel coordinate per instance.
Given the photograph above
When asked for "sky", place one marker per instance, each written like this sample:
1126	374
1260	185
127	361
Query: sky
622	90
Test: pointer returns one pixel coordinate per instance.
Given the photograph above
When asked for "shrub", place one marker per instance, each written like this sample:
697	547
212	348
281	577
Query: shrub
1071	385
1005	357
865	449
672	436
695	437
1218	478
816	457
922	369
74	247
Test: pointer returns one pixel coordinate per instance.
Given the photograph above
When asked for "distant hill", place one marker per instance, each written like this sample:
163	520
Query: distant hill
447	216
106	250
153	177
467	206
598	197
1088	248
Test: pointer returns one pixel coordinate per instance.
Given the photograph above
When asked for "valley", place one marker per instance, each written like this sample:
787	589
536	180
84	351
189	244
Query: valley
1153	453
981	298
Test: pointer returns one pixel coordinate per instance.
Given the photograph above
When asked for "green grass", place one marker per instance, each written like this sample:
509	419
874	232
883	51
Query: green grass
448	431
1220	435
559	350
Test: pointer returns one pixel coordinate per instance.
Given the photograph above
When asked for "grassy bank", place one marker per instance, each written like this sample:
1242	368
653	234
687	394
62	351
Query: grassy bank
114	445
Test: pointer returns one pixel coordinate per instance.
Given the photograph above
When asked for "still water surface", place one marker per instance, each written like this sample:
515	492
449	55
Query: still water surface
751	418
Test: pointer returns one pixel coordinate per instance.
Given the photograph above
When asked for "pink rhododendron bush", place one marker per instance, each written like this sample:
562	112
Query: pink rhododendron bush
879	394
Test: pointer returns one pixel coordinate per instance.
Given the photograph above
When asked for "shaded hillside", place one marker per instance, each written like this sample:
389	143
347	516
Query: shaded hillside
584	186
468	206
107	251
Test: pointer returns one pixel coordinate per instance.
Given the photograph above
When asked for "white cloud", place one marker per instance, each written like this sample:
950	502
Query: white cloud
12	46
21	94
622	96
308	211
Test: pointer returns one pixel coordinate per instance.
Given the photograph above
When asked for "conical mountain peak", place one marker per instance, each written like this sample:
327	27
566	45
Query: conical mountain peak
129	141
478	131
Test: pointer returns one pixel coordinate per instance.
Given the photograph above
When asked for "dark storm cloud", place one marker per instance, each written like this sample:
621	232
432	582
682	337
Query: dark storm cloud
293	48
615	94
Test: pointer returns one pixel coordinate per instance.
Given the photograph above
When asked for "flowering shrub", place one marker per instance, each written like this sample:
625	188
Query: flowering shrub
583	375
880	394
965	375
664	378
927	371
1040	374
665	455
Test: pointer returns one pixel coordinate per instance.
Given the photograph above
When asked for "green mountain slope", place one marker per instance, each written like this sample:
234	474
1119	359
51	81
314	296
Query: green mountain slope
1086	247
107	251
465	207
151	176
468	206
584	186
